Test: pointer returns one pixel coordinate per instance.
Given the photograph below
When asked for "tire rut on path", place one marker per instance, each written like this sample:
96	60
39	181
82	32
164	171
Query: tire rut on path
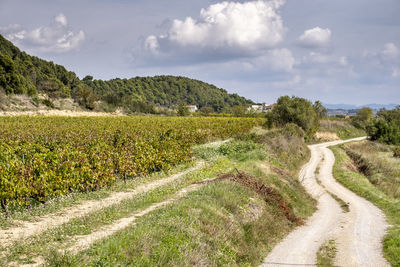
358	233
28	229
84	242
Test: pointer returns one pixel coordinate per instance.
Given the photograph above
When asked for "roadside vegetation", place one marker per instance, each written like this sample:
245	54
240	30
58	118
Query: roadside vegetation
343	128
371	170
299	111
326	254
385	128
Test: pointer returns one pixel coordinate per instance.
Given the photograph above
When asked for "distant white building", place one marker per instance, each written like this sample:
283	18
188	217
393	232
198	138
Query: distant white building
260	108
255	108
267	107
192	108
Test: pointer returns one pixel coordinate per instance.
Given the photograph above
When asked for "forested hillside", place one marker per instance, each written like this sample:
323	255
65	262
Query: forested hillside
165	91
21	73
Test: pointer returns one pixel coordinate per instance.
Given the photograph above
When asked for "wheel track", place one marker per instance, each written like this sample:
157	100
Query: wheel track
358	233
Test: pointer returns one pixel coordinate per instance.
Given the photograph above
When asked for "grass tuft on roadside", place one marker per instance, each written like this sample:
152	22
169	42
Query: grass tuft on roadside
326	254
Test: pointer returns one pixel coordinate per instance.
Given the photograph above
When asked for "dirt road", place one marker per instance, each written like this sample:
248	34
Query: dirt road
358	233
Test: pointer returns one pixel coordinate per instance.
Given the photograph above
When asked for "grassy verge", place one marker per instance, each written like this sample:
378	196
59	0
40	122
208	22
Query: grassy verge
343	128
346	172
223	223
326	254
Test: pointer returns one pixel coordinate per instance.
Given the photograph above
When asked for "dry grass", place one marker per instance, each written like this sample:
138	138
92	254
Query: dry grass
378	163
343	128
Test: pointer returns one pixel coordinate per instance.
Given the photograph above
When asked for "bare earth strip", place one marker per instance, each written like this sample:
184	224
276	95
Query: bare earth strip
84	242
358	233
27	229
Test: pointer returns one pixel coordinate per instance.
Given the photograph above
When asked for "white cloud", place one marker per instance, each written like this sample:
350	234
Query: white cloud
244	28
343	61
276	59
56	37
316	58
315	37
396	72
390	51
151	44
61	19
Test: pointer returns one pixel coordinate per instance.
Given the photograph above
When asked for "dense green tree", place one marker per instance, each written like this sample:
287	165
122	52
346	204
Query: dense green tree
206	110
294	110
239	110
385	127
183	110
320	109
362	117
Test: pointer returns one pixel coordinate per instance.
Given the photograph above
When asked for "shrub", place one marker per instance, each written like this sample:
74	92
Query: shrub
396	152
295	110
47	103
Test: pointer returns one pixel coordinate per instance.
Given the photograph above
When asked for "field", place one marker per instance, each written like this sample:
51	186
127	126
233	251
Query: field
370	170
46	157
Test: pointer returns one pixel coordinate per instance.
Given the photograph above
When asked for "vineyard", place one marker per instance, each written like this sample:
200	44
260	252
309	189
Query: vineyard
46	157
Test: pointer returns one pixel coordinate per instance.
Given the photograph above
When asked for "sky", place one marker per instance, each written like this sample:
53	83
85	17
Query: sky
334	51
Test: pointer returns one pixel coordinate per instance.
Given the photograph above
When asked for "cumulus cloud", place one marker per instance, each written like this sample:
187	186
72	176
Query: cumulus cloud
315	38
57	37
228	27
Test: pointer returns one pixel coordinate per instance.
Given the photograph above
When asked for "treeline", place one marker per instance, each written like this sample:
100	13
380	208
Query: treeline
21	73
167	91
385	127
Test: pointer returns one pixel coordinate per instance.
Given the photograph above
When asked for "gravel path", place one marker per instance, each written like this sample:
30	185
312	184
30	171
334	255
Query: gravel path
358	233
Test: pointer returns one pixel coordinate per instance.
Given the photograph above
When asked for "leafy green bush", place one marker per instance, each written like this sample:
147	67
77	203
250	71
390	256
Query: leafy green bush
295	110
386	127
363	116
47	103
384	132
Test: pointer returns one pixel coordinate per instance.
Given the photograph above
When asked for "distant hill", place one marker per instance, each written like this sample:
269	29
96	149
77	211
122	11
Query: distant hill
165	91
352	107
21	73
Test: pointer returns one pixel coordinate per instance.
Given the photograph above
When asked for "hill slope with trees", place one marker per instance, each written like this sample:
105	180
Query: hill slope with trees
21	73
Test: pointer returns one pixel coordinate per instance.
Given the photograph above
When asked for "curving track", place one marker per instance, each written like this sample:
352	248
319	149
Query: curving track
358	233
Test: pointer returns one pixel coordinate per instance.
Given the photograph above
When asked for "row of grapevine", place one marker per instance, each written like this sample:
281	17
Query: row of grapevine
45	157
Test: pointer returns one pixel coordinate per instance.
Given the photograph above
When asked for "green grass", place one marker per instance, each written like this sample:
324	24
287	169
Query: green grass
222	224
326	254
343	128
344	172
